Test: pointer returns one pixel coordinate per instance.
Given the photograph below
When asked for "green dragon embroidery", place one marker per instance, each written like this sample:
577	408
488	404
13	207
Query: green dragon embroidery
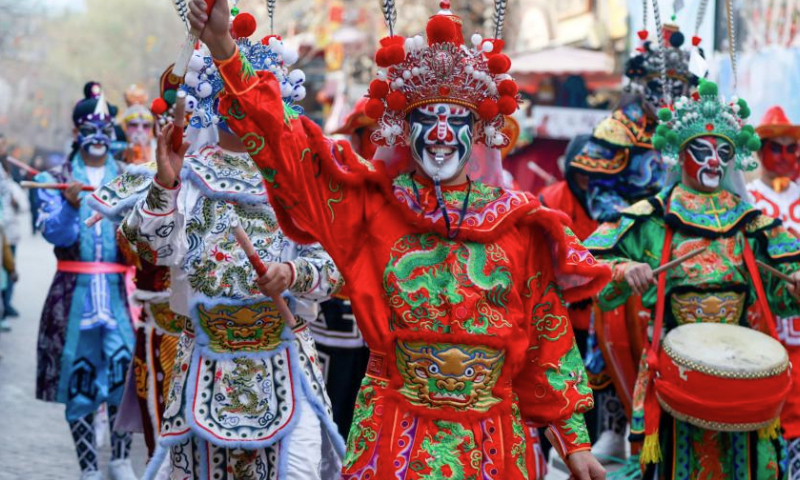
241	385
444	449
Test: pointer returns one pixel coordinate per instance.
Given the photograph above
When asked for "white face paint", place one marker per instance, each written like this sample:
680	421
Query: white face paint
441	139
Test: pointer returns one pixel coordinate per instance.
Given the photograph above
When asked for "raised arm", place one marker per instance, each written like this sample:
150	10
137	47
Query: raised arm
155	226
316	186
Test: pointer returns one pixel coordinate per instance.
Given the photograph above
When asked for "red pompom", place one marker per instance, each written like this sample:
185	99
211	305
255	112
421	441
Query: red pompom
381	58
696	40
497	47
440	29
395	54
642	34
507	105
159	106
374	108
508	87
488	109
265	40
396	101
244	25
499	64
394	40
378	89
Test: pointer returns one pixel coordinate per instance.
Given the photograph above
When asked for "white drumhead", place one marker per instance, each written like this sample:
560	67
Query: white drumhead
727	348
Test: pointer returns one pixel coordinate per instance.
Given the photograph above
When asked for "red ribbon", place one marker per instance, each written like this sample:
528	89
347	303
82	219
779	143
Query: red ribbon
70	266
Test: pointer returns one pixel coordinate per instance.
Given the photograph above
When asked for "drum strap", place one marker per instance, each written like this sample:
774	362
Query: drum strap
755	274
651	450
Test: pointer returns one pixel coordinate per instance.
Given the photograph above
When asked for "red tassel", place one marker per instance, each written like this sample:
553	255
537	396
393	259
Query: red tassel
696	40
642	34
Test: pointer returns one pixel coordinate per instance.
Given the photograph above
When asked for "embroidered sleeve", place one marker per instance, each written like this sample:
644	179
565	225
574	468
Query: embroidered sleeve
57	219
315	275
315	184
781	250
154	228
552	386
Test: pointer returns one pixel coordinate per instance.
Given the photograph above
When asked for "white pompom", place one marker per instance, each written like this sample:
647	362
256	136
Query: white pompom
409	44
419	42
498	139
469	69
204	90
192	79
381	75
290	56
191	103
406	74
396	130
415	71
386	132
286	89
487	47
297	76
196	63
476	74
274	42
490	131
299	93
398	83
476	39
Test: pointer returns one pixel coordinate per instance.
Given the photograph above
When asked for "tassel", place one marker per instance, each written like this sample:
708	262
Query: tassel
651	451
770	432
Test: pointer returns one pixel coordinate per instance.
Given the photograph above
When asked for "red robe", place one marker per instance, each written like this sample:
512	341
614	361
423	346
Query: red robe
469	335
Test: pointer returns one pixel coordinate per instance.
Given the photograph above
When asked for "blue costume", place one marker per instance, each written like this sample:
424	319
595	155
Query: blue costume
85	335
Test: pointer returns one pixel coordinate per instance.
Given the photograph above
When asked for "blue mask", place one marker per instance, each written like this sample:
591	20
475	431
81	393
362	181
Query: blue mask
95	136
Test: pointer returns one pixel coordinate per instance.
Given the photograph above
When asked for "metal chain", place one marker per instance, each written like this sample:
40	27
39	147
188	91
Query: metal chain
701	15
662	51
389	15
499	17
732	42
271	13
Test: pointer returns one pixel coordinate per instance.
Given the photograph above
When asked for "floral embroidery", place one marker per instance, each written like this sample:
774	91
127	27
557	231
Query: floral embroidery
254	143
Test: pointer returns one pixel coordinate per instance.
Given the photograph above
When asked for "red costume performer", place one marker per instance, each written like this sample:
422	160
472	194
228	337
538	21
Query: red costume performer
778	194
458	286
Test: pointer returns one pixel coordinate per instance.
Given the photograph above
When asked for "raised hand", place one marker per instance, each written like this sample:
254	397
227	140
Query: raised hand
168	160
214	28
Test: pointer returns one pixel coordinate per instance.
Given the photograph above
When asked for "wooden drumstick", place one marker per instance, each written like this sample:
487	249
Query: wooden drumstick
179	120
261	270
23	166
52	186
92	221
674	263
774	271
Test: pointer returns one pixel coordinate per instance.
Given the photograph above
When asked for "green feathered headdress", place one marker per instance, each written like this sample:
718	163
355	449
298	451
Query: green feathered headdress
706	113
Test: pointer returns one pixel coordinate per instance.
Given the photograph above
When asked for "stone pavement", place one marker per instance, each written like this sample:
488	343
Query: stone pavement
35	442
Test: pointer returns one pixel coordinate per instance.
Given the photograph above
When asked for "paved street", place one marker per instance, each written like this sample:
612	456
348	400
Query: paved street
35	443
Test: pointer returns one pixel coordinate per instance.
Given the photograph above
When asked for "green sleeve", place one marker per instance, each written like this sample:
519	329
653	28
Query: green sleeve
619	243
778	248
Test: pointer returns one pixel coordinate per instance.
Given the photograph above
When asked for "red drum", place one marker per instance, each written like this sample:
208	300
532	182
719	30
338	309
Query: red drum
722	377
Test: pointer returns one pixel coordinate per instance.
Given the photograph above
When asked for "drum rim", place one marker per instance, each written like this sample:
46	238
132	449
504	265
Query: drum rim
723	372
712	425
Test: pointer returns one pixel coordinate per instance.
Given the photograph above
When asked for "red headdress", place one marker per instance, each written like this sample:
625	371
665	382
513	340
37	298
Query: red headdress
442	70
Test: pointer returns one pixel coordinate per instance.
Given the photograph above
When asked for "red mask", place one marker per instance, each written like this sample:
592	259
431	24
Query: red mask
706	159
782	160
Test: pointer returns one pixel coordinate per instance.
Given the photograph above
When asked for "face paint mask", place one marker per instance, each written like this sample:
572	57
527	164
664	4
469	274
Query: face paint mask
706	160
139	131
781	158
654	91
95	137
441	139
